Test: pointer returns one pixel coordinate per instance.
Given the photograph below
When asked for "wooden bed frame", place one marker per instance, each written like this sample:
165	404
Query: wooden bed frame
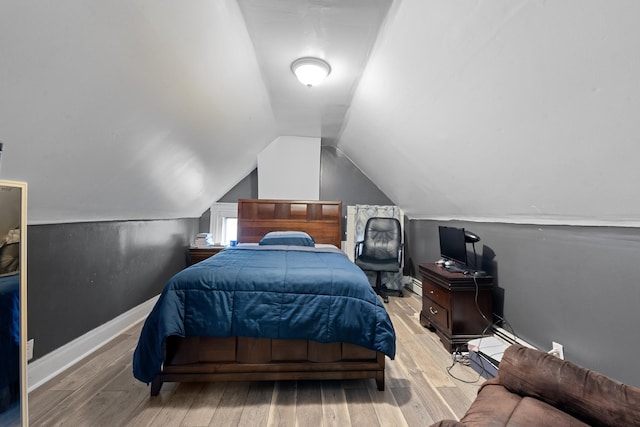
254	359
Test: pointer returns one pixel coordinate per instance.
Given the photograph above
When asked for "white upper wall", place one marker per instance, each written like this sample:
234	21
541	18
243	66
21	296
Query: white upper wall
128	110
289	168
516	111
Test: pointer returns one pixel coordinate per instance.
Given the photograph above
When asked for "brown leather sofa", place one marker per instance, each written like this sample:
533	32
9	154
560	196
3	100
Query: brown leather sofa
534	388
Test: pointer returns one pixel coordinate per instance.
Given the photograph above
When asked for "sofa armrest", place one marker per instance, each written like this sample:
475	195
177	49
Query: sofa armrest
454	423
587	395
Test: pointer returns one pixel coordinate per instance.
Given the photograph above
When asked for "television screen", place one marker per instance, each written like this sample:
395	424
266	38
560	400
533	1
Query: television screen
453	245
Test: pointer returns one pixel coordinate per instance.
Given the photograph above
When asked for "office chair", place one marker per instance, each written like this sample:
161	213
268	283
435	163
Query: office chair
380	251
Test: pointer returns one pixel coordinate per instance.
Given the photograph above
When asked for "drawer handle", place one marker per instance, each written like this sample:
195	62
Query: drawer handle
431	292
433	311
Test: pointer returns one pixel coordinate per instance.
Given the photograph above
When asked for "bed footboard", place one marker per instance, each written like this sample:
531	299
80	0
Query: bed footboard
261	359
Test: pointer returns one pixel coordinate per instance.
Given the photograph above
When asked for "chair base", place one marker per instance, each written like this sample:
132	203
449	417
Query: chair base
383	290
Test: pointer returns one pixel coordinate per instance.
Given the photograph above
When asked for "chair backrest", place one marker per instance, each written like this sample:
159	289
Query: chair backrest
382	238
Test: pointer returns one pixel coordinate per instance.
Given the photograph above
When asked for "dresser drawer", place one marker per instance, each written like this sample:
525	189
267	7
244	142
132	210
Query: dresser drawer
437	294
436	314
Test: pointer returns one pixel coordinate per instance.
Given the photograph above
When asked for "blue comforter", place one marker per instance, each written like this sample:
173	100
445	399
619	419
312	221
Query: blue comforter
288	292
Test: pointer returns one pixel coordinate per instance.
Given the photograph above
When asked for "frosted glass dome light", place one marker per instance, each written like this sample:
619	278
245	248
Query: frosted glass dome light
310	71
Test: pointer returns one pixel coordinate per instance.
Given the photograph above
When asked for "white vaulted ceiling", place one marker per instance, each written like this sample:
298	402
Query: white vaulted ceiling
341	32
516	111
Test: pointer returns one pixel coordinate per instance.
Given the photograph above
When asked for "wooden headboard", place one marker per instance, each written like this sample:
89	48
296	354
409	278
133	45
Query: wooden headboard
322	220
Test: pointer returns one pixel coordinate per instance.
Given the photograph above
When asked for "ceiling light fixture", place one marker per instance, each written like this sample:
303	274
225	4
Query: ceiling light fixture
310	71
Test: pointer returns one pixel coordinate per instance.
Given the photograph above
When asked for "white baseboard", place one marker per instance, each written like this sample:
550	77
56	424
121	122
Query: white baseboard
43	369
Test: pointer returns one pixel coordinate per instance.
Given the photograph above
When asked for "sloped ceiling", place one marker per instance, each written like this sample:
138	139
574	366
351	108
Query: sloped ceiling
128	110
515	111
342	32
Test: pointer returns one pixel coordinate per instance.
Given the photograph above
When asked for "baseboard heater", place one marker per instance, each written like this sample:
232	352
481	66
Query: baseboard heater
414	285
485	353
509	337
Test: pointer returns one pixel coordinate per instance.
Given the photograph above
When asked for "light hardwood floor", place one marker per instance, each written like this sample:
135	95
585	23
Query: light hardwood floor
101	391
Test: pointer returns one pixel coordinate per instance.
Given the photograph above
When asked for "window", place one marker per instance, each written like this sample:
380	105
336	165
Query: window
224	222
229	230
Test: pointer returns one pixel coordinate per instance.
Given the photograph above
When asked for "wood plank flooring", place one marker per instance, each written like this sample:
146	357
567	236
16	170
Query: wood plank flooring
101	391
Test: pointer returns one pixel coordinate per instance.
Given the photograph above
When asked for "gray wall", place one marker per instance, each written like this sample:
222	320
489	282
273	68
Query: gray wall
82	275
340	179
569	284
245	189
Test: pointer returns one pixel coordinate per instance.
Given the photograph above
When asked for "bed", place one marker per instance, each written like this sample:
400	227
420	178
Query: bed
262	311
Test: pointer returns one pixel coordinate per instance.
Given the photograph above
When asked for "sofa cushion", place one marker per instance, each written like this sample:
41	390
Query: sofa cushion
587	395
496	406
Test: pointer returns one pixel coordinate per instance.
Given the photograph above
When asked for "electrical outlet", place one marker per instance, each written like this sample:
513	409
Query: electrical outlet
30	349
557	350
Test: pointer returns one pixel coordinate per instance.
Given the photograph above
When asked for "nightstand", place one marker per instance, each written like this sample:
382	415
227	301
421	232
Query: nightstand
457	306
199	254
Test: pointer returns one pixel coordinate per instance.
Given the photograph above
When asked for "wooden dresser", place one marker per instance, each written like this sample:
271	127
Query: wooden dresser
199	254
449	305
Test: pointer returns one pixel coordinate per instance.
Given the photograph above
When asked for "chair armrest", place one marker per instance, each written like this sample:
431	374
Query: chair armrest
357	249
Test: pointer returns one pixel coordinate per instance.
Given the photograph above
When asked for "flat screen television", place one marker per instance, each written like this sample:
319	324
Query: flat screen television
453	246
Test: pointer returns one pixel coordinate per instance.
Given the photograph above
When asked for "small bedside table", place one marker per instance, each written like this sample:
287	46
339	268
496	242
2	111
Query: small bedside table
199	254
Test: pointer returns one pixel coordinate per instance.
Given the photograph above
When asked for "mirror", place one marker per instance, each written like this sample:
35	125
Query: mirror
13	296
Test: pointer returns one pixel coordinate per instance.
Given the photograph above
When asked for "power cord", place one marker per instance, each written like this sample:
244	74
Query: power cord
458	357
491	325
464	359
